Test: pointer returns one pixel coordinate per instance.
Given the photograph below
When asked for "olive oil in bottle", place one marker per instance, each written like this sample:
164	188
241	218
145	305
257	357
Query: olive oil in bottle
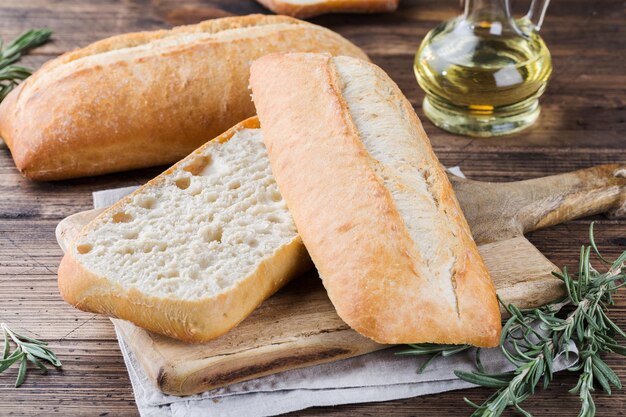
483	72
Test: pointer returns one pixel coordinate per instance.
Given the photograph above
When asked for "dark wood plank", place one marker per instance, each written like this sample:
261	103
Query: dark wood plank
582	124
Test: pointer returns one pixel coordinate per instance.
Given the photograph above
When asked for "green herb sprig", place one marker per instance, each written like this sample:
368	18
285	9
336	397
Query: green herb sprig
434	350
28	350
532	339
11	75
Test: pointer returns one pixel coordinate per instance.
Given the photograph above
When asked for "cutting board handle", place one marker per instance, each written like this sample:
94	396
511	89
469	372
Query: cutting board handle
505	210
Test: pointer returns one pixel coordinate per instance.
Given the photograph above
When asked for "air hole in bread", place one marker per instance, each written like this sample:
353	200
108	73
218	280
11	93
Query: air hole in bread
273	219
213	234
195	191
253	243
233	185
275	196
121	217
198	164
221	282
183	183
211	197
85	248
146	202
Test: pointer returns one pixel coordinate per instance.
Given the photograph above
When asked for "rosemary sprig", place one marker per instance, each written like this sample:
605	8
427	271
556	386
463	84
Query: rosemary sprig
434	351
532	339
28	350
11	75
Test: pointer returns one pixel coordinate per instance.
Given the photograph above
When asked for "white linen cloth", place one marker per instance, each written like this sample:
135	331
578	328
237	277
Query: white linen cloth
378	376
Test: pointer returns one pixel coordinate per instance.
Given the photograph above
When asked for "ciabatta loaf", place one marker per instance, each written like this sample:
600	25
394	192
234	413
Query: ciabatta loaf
146	99
309	8
371	202
193	252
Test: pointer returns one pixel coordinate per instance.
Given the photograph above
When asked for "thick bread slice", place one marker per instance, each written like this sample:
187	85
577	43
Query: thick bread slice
146	99
193	252
308	8
372	203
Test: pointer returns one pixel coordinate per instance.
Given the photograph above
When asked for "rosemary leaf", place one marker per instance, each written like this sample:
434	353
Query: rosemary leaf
27	350
21	373
427	362
434	350
6	363
5	351
11	75
481	379
37	363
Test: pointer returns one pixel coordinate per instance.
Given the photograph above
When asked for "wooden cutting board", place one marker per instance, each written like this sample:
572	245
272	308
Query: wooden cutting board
298	326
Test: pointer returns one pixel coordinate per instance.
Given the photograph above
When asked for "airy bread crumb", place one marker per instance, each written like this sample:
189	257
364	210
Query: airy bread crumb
207	225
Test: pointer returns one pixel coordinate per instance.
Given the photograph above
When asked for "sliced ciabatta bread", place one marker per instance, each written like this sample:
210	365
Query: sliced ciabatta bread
372	203
146	99
194	251
309	8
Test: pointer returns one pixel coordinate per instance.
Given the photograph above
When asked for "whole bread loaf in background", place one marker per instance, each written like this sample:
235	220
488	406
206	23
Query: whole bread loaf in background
309	8
193	252
371	202
146	99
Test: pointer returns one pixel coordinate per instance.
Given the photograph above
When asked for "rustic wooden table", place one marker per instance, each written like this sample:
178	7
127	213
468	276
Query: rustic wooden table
582	124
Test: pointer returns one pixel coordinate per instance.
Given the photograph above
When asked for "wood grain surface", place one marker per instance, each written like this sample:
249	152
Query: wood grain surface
582	124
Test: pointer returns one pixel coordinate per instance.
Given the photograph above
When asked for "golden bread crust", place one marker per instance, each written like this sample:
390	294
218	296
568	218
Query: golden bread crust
304	11
106	108
373	271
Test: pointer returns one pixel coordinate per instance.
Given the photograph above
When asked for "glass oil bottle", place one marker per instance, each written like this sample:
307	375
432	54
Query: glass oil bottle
484	71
